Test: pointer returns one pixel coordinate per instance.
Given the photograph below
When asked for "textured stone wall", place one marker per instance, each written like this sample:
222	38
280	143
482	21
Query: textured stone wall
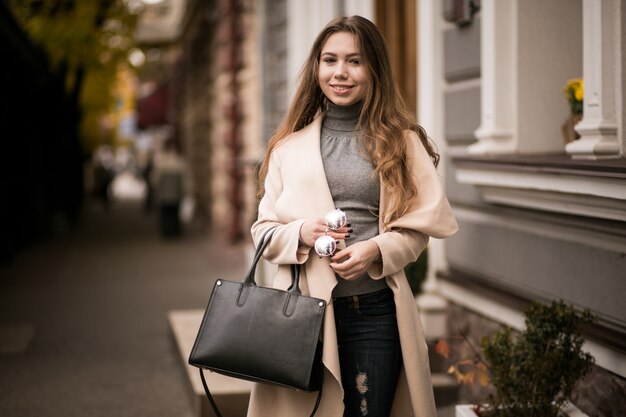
475	327
235	132
249	79
219	112
191	89
600	394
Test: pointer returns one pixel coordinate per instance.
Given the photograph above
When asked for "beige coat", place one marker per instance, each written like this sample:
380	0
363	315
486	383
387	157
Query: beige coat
295	190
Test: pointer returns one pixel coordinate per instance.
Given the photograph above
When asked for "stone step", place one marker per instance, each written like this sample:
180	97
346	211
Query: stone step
447	411
445	386
230	394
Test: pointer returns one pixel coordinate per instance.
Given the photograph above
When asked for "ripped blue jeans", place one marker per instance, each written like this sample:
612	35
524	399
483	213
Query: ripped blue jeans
369	352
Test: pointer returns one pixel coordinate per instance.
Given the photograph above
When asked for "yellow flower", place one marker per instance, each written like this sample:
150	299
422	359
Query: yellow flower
577	86
574	92
578	93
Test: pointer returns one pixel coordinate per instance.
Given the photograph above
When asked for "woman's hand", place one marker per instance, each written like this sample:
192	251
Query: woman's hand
312	229
353	261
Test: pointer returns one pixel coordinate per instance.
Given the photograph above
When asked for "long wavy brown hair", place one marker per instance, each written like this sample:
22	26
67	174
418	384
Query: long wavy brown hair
384	117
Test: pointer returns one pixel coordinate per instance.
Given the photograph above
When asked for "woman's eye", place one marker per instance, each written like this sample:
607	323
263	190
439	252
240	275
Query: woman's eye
354	62
328	60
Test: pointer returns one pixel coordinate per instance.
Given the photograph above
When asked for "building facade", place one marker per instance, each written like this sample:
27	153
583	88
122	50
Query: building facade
540	219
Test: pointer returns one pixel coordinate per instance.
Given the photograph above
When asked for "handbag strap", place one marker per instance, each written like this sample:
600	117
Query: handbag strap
218	412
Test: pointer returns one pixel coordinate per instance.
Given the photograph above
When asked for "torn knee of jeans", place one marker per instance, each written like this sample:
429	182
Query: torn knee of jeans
361	382
361	386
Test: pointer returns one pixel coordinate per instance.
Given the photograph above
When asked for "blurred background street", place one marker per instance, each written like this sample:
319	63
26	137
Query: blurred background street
84	316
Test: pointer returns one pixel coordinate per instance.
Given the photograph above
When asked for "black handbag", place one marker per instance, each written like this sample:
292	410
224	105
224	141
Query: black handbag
262	334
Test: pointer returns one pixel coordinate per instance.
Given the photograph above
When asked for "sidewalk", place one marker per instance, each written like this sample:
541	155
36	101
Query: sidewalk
83	319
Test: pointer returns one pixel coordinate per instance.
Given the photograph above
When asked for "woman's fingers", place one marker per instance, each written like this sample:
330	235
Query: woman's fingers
312	229
347	264
340	234
354	261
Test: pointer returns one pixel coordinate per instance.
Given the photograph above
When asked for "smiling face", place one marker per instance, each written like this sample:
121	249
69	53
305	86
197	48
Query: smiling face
341	73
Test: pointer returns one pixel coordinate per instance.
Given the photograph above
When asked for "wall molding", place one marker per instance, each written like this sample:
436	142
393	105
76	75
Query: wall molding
601	234
550	182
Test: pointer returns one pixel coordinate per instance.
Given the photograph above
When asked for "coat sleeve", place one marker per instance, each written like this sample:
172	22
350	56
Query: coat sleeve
431	215
284	247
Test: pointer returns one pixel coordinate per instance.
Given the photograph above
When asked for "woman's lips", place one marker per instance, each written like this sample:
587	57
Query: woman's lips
341	89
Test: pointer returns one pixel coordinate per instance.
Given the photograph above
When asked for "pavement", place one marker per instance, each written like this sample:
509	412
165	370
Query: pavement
83	316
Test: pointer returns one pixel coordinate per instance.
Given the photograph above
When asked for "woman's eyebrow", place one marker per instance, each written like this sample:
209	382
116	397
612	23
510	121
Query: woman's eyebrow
350	55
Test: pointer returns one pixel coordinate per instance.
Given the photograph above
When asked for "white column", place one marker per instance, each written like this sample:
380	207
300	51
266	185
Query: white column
498	92
363	8
305	19
430	106
431	305
598	128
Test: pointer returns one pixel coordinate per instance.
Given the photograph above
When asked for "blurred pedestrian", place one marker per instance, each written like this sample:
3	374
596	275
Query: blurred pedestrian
172	184
349	141
146	175
104	173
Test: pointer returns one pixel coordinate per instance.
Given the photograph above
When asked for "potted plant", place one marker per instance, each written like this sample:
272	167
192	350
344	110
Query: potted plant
532	372
573	91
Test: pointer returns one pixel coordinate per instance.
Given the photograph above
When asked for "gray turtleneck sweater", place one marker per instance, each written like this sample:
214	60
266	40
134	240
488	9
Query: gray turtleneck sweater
353	184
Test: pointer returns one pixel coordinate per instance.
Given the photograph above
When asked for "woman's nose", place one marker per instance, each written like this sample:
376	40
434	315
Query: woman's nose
340	72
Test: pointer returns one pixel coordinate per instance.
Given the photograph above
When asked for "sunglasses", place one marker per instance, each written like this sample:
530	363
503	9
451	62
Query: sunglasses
325	245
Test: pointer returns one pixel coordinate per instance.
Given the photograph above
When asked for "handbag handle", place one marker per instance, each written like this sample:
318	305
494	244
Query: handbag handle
265	240
295	268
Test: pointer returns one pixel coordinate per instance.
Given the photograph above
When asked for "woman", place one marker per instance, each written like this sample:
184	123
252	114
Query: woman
348	141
